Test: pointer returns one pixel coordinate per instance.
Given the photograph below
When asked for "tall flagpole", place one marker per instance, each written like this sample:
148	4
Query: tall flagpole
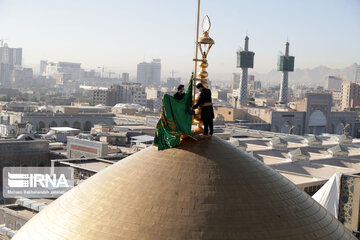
196	49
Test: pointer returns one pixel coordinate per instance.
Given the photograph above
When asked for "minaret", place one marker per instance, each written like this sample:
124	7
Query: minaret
245	60
286	65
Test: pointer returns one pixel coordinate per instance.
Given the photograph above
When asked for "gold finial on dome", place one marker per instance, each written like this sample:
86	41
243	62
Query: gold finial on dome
205	43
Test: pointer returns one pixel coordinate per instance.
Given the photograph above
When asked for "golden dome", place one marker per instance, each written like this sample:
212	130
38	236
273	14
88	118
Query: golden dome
200	190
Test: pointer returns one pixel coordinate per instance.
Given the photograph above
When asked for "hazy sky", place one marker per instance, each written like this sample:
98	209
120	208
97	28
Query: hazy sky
119	34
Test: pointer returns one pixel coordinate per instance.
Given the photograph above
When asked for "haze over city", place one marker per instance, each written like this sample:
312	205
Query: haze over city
120	34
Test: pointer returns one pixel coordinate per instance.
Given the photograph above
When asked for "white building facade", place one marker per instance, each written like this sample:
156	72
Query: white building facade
149	73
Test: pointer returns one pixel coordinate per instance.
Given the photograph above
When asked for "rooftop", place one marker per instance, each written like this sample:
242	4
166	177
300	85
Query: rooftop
193	191
320	164
64	129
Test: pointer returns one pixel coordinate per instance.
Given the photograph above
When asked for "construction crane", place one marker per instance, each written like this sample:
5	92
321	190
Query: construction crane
102	70
2	40
173	73
110	73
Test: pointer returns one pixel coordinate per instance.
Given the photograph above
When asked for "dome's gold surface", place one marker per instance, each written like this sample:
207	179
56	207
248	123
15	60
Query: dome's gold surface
200	190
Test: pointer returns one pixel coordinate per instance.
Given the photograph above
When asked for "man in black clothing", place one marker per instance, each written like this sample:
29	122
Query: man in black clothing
207	111
180	92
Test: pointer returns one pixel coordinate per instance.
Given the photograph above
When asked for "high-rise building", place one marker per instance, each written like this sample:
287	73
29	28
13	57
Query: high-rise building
124	93
134	93
55	68
43	64
4	75
109	97
333	83
251	79
149	73
253	84
257	85
9	59
125	77
156	71
236	81
357	74
11	56
17	56
350	94
143	72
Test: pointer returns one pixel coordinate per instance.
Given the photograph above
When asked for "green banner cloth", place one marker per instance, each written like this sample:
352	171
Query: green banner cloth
175	120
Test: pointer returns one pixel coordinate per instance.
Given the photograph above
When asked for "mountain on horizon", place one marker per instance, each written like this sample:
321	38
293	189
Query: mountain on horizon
310	77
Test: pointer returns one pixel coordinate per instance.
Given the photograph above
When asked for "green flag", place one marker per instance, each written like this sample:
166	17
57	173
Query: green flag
175	120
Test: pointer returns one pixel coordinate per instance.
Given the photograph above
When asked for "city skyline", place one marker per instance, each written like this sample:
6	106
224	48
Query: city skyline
119	35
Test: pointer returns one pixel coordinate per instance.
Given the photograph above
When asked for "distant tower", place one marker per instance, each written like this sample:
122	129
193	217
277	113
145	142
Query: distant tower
245	60
357	75
286	65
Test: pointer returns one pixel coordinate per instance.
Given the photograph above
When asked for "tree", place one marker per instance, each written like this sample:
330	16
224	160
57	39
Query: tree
5	98
34	99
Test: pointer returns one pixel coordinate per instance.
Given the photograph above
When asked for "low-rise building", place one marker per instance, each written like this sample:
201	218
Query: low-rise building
83	148
48	119
219	94
312	115
14	215
18	153
86	167
116	139
230	114
60	134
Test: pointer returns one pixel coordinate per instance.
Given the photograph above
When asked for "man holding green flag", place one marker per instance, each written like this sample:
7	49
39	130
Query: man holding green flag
175	120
